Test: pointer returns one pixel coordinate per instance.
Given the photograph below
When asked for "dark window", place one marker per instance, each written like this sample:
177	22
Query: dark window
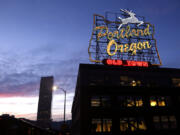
96	79
176	82
152	82
156	120
105	100
172	121
164	122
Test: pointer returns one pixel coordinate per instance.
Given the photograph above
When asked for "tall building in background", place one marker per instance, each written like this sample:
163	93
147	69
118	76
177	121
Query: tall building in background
44	105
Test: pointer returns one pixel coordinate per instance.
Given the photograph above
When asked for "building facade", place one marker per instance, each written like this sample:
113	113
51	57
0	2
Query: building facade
44	105
112	100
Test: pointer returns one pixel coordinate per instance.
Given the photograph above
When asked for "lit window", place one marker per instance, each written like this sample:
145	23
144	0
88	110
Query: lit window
132	124
130	101
129	81
107	125
159	101
95	101
96	125
142	125
133	83
139	102
176	82
134	101
123	124
153	103
101	125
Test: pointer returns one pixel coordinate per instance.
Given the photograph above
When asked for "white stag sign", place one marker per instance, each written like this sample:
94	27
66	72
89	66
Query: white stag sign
131	19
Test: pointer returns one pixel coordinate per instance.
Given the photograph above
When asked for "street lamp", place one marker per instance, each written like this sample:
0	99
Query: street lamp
56	88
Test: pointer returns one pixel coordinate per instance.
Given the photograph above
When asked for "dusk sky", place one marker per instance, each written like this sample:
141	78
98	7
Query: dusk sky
51	37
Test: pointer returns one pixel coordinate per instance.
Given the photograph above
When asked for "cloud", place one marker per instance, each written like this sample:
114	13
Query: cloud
19	84
8	63
28	82
20	76
20	80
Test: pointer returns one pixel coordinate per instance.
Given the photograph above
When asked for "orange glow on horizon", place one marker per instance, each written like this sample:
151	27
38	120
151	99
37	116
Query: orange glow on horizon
26	107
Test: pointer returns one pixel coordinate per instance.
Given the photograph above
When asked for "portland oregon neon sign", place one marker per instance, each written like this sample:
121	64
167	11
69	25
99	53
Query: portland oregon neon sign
123	39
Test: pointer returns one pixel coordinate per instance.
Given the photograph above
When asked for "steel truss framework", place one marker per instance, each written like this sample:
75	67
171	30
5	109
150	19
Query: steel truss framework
98	48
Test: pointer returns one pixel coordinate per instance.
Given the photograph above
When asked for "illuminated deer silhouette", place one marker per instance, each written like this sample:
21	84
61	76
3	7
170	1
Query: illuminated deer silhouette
131	19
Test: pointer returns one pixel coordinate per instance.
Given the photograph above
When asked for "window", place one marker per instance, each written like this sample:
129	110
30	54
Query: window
139	101
159	101
172	121
105	101
129	81
130	101
164	122
176	82
101	125
132	124
156	120
142	125
97	101
133	83
122	101
107	125
153	101
96	125
95	79
123	124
